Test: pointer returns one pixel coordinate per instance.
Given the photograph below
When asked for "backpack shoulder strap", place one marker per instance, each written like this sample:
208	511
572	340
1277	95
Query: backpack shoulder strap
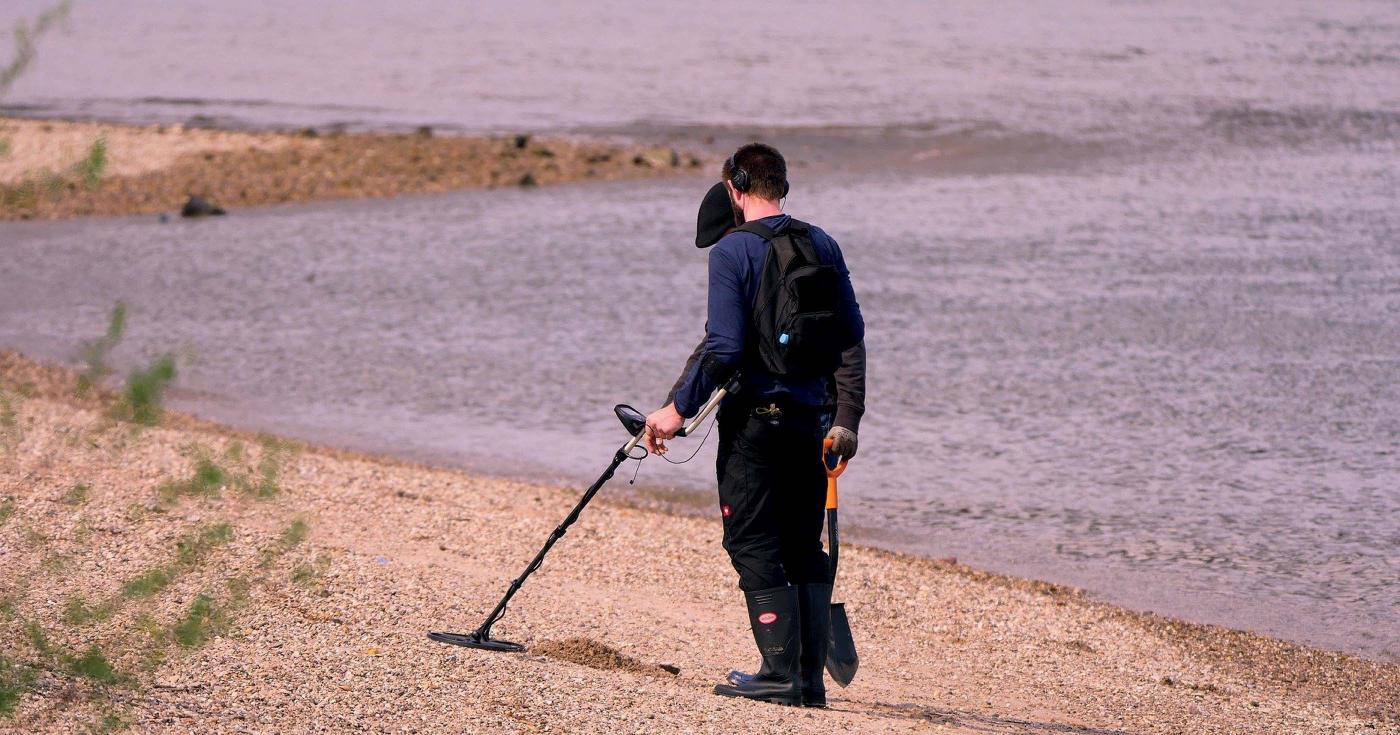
792	243
757	228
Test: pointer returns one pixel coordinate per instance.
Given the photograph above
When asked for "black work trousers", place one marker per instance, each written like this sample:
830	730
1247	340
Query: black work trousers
772	494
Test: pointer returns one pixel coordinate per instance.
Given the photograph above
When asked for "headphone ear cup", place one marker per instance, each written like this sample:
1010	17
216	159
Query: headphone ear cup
786	187
740	179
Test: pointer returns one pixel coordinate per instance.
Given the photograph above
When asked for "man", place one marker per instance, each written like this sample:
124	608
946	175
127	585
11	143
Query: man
771	482
716	219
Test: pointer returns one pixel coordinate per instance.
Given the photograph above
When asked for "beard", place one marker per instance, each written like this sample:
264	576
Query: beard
738	213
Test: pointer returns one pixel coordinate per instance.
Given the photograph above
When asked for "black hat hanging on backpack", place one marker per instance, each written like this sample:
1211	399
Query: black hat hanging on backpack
716	217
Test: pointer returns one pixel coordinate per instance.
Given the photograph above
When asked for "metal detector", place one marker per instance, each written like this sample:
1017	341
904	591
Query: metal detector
635	423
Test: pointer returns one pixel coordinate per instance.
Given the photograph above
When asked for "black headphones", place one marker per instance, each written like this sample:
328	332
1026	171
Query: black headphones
741	181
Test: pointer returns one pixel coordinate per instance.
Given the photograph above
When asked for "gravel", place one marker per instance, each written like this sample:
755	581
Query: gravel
326	633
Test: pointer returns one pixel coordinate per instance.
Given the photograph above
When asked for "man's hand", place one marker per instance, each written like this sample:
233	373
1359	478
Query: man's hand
844	441
662	424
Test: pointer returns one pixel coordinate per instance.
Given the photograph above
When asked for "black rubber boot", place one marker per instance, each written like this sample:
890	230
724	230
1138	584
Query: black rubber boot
815	603
775	616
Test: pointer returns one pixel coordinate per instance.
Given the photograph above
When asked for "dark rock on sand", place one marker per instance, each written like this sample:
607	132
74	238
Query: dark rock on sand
200	207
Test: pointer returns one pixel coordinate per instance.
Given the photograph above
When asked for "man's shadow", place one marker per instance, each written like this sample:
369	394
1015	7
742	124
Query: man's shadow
970	720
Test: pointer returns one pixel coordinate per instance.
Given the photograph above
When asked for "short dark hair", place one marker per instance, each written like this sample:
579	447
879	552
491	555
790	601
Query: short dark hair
766	169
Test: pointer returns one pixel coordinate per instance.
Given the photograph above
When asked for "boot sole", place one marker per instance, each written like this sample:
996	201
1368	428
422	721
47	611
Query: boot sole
771	700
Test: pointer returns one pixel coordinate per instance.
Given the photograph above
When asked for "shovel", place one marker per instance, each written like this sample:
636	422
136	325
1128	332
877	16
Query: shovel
841	658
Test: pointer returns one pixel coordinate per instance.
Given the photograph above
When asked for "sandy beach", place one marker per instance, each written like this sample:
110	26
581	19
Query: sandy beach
186	575
154	168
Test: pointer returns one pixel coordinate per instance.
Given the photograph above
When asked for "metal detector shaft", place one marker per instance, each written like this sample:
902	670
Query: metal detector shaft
694	424
481	637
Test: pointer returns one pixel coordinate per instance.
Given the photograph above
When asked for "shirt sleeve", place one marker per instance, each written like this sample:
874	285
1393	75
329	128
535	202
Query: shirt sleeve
855	322
850	388
725	332
690	363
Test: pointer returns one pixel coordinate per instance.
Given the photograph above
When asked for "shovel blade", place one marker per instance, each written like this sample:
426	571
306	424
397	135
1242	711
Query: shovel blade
841	658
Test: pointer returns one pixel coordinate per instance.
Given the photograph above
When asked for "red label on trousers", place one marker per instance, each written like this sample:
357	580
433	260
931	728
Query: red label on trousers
726	511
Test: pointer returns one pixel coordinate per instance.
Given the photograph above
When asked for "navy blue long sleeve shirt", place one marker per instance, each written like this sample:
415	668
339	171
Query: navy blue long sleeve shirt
736	265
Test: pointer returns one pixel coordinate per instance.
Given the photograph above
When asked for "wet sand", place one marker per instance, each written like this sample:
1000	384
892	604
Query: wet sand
332	566
154	168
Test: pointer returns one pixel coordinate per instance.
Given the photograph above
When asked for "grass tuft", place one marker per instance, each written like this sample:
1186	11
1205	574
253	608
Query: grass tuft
55	563
76	495
26	39
207	480
34	538
143	399
189	551
15	678
206	619
295	534
111	721
93	665
307	574
193	548
94	164
95	352
77	611
149	583
199	622
269	469
10	432
7	509
38	638
264	481
291	536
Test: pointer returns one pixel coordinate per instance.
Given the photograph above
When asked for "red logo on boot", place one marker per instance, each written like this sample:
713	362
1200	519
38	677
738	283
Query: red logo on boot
768	618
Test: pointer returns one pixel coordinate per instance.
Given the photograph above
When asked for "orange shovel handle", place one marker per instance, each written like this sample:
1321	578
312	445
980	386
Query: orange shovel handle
831	473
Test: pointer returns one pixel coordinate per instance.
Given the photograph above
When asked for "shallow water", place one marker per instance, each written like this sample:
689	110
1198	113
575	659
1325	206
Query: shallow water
1134	317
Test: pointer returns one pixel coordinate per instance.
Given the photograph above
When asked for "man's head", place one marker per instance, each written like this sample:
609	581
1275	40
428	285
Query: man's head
756	174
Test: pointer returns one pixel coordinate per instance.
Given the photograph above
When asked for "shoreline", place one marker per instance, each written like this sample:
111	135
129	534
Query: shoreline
945	647
47	168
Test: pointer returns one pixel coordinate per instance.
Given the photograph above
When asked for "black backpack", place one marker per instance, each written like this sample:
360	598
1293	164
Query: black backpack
798	329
